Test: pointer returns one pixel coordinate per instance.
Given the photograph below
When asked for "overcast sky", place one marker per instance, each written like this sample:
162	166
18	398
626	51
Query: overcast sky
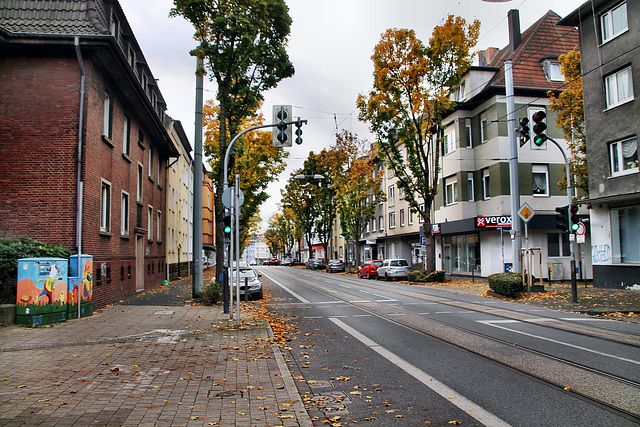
330	46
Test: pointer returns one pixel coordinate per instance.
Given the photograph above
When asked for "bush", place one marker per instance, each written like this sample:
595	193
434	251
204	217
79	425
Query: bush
437	276
11	250
507	284
212	292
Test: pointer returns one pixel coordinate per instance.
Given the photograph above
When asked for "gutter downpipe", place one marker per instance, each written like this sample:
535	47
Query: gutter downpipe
76	43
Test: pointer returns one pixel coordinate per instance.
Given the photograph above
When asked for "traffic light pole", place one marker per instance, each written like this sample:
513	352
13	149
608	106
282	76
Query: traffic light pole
572	239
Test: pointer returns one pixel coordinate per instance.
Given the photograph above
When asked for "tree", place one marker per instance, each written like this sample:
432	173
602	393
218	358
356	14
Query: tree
279	234
358	188
303	206
243	43
410	96
570	108
256	160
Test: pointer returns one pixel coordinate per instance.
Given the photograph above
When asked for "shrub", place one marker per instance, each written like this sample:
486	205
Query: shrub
422	276
212	292
507	284
11	250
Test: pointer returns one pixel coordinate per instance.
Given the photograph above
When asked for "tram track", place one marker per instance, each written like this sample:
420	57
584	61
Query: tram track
611	391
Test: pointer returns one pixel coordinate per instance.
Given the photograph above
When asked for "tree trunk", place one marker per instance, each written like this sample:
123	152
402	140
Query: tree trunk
219	182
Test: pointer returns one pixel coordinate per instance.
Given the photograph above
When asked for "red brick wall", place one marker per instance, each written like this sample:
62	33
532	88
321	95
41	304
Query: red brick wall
39	102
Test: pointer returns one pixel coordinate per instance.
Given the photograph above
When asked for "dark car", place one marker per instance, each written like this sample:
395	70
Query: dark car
314	264
369	269
272	261
252	279
335	265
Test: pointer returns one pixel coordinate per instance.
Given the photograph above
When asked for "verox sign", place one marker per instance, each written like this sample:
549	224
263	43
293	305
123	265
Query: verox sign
493	221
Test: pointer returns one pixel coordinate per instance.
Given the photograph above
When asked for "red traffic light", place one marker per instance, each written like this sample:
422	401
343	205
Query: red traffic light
539	116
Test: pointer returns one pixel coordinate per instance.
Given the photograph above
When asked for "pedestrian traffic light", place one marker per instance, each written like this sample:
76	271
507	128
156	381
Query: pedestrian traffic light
539	127
562	218
299	131
282	133
575	219
227	222
524	131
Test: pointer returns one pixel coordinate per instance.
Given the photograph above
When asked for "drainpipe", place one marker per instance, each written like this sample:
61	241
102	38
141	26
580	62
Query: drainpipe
76	42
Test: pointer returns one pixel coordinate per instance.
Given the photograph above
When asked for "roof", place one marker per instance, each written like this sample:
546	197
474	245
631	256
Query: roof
70	17
574	18
544	39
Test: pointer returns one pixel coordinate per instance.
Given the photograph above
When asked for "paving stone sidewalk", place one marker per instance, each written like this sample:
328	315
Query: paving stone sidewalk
148	361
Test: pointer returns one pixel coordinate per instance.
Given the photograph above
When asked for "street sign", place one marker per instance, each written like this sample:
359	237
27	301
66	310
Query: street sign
226	198
423	240
526	212
580	233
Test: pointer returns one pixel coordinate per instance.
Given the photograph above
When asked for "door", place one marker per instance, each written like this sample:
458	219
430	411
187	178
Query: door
139	263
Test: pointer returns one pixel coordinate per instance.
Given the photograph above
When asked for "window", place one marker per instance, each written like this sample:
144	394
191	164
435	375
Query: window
401	217
486	193
540	180
624	157
392	220
461	92
131	57
159	226
126	137
450	142
421	209
139	187
392	194
558	244
115	27
107	116
552	70
411	213
373	224
124	214
145	85
105	207
381	222
141	139
151	163
150	223
613	22
451	192
625	235
618	88
469	134
484	123
471	188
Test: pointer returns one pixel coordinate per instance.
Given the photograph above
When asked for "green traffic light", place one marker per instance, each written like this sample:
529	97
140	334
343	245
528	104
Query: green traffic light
540	139
227	229
575	227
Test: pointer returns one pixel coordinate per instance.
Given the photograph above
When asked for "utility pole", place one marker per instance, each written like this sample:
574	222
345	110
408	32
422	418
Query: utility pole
196	284
516	234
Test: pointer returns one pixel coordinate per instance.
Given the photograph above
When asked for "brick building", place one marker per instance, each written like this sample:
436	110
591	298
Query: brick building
74	80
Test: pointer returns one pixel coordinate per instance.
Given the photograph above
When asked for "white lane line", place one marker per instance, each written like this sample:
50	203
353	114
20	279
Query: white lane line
495	325
469	407
345	286
424	313
362	315
295	295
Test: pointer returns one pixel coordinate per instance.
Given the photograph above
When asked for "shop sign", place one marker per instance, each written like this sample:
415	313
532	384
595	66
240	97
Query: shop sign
493	221
435	228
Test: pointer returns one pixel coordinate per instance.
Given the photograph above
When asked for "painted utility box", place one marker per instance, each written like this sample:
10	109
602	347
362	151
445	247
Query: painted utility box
42	291
85	290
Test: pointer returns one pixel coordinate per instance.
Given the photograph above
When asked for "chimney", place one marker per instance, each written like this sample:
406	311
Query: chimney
515	38
485	56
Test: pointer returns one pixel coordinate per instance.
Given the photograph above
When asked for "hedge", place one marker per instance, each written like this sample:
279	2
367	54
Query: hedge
507	284
422	276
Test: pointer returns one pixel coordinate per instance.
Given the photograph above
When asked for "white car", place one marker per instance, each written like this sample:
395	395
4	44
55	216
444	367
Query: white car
393	269
252	278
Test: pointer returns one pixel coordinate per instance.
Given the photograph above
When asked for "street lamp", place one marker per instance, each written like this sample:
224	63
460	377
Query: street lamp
303	176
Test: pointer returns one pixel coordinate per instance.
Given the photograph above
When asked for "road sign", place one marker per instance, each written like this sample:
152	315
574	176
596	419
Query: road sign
226	198
526	212
423	240
582	230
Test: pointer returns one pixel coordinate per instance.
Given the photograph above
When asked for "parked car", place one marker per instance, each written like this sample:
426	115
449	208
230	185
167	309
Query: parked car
287	262
254	285
314	264
369	269
335	265
393	269
272	261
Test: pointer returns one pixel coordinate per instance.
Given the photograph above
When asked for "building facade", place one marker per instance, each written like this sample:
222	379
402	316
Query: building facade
609	37
179	205
83	135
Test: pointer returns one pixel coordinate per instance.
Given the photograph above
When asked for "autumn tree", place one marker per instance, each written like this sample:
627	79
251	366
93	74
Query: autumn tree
570	108
410	96
242	44
303	207
256	160
358	188
279	234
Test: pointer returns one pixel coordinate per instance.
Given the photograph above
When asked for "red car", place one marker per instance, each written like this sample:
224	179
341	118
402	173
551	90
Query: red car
369	269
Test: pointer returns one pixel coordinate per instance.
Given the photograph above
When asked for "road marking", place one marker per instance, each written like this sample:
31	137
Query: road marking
449	394
303	300
495	325
345	286
424	313
362	315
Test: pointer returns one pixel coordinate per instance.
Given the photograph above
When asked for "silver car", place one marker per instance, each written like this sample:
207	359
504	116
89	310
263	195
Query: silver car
393	269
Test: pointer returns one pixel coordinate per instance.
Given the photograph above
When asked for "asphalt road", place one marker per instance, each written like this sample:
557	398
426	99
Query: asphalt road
387	353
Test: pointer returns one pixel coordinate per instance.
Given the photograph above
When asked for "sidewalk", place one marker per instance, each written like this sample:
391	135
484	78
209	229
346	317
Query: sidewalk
149	361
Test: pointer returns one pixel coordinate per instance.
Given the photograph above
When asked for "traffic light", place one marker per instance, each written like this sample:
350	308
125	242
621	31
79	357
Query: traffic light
227	222
539	127
575	219
299	131
524	131
282	132
562	218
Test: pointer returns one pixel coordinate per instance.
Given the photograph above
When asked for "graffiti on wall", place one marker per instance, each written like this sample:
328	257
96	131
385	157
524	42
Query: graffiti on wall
601	253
